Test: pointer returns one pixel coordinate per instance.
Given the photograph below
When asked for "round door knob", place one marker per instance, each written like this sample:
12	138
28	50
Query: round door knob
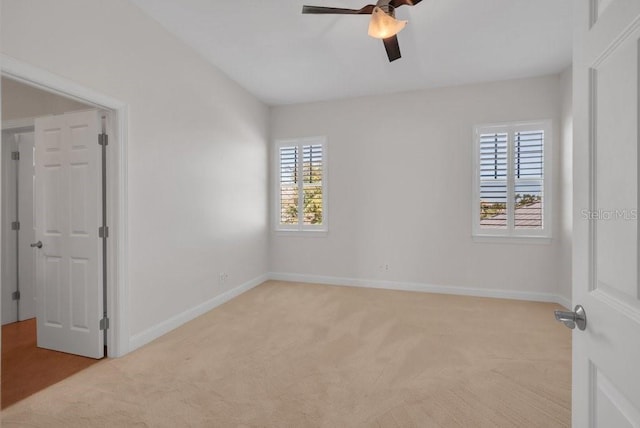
37	244
572	319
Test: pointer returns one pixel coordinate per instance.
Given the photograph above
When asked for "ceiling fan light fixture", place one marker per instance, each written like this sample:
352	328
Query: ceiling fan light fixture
383	25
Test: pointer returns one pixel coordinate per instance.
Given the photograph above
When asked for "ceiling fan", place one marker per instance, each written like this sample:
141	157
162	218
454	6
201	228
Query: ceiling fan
383	24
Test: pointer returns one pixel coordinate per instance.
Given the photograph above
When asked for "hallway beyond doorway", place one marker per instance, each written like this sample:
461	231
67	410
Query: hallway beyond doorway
27	369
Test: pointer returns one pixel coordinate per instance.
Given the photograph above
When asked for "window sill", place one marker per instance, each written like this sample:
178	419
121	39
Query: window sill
527	240
301	233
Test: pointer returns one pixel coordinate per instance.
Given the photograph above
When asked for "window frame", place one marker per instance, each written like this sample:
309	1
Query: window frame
510	233
300	227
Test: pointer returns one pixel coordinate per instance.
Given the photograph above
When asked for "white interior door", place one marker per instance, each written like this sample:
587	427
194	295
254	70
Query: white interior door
27	255
18	258
9	236
68	206
606	356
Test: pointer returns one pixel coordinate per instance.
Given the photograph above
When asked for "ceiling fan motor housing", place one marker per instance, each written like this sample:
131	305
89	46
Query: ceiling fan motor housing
387	8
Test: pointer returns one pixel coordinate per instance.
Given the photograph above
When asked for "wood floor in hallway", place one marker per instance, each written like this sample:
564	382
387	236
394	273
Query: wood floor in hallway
27	369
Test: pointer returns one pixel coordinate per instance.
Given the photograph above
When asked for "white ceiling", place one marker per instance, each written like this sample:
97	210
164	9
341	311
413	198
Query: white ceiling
284	57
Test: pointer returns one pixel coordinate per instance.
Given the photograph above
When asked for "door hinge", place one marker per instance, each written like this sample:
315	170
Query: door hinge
15	155
15	225
103	232
103	139
15	295
104	323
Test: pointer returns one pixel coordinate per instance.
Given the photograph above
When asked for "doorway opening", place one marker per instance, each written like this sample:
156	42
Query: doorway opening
27	364
28	93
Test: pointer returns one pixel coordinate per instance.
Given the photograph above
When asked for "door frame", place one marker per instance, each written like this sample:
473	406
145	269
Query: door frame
117	244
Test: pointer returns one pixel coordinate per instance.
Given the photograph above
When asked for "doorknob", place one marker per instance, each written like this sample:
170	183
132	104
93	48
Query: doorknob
36	245
572	319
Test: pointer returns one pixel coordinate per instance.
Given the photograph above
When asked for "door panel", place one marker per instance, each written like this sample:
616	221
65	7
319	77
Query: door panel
52	293
79	195
606	376
612	408
68	199
614	104
80	280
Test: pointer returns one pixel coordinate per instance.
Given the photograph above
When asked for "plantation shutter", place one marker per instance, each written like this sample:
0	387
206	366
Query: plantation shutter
301	183
312	167
288	157
510	180
528	179
494	157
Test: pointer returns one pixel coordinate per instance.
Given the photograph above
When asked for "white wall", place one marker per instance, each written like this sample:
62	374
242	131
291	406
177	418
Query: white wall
197	164
399	172
20	101
400	186
566	186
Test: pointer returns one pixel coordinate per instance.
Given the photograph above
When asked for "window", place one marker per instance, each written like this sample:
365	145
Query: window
511	180
301	185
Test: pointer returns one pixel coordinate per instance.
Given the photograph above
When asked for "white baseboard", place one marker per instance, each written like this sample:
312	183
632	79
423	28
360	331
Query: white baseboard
563	301
164	327
425	288
172	323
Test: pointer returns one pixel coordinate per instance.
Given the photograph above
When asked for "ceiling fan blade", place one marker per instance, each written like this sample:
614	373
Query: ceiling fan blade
392	47
336	10
398	3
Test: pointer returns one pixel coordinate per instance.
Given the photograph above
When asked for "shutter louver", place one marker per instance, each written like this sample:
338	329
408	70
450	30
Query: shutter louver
528	166
493	180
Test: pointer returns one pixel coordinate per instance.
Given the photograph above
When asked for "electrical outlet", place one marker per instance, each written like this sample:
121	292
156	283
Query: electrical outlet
223	277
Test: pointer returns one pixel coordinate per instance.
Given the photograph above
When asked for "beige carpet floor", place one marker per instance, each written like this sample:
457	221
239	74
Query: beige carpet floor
300	355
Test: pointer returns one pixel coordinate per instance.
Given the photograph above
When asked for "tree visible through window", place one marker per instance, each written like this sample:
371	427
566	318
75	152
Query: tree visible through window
302	190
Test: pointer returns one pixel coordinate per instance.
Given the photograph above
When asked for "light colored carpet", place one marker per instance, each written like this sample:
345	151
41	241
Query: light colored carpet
299	355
